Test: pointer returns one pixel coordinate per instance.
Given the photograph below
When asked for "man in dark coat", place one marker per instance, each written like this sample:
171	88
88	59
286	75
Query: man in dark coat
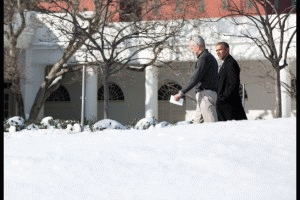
229	104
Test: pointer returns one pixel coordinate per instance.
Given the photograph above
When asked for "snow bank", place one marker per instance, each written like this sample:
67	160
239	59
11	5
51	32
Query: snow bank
107	124
235	160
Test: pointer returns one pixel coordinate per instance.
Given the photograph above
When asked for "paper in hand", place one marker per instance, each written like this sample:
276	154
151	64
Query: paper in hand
180	102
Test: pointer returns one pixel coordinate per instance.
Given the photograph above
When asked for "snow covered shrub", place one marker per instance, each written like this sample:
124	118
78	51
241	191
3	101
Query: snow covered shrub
47	122
5	126
32	127
63	124
69	127
17	122
146	123
88	124
184	122
259	118
107	124
76	127
163	124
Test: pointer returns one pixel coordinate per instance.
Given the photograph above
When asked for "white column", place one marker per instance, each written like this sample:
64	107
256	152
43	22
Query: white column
151	92
91	102
34	75
286	100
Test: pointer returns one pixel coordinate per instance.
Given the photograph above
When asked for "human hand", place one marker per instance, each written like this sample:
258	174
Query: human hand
177	97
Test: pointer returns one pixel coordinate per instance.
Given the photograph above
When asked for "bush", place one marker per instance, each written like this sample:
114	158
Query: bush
184	122
5	126
146	123
63	124
17	121
163	124
89	123
107	124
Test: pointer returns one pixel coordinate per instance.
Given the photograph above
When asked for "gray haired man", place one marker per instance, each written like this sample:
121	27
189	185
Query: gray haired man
205	80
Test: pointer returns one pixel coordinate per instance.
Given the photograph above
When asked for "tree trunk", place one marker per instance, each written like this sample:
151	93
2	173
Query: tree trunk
41	97
15	77
44	91
106	92
278	111
38	102
20	104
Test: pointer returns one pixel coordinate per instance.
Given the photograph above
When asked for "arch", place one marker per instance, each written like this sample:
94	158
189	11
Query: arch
115	93
168	89
60	94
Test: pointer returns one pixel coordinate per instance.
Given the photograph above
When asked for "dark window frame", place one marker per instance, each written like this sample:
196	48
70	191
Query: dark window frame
130	10
178	6
168	89
201	6
115	93
156	7
61	94
249	5
225	5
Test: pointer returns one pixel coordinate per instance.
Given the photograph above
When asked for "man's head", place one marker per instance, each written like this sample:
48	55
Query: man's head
222	49
197	44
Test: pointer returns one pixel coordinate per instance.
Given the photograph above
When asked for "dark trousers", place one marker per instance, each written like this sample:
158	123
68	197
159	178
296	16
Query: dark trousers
227	111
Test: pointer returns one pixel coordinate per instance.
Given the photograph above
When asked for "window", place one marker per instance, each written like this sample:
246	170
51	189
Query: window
156	7
7	85
249	5
130	10
276	4
60	94
115	93
225	5
294	4
178	6
168	89
201	6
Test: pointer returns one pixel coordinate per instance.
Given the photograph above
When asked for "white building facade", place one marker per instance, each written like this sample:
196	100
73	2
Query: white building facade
135	95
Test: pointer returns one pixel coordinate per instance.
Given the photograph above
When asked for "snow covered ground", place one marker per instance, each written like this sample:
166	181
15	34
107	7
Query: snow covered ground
234	160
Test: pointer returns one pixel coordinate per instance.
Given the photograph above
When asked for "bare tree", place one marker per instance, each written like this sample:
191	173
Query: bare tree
113	35
121	45
267	26
14	25
267	76
64	16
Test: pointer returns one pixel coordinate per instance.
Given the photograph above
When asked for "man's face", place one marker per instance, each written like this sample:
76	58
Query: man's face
194	48
222	51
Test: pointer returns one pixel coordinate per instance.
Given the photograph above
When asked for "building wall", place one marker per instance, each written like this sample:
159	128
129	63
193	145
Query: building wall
259	88
40	54
258	77
132	85
67	109
179	73
133	107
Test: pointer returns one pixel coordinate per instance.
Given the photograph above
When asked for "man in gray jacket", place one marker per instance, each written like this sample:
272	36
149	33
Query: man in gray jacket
205	79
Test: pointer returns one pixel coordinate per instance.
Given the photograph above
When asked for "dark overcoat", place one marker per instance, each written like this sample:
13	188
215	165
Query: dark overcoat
229	104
